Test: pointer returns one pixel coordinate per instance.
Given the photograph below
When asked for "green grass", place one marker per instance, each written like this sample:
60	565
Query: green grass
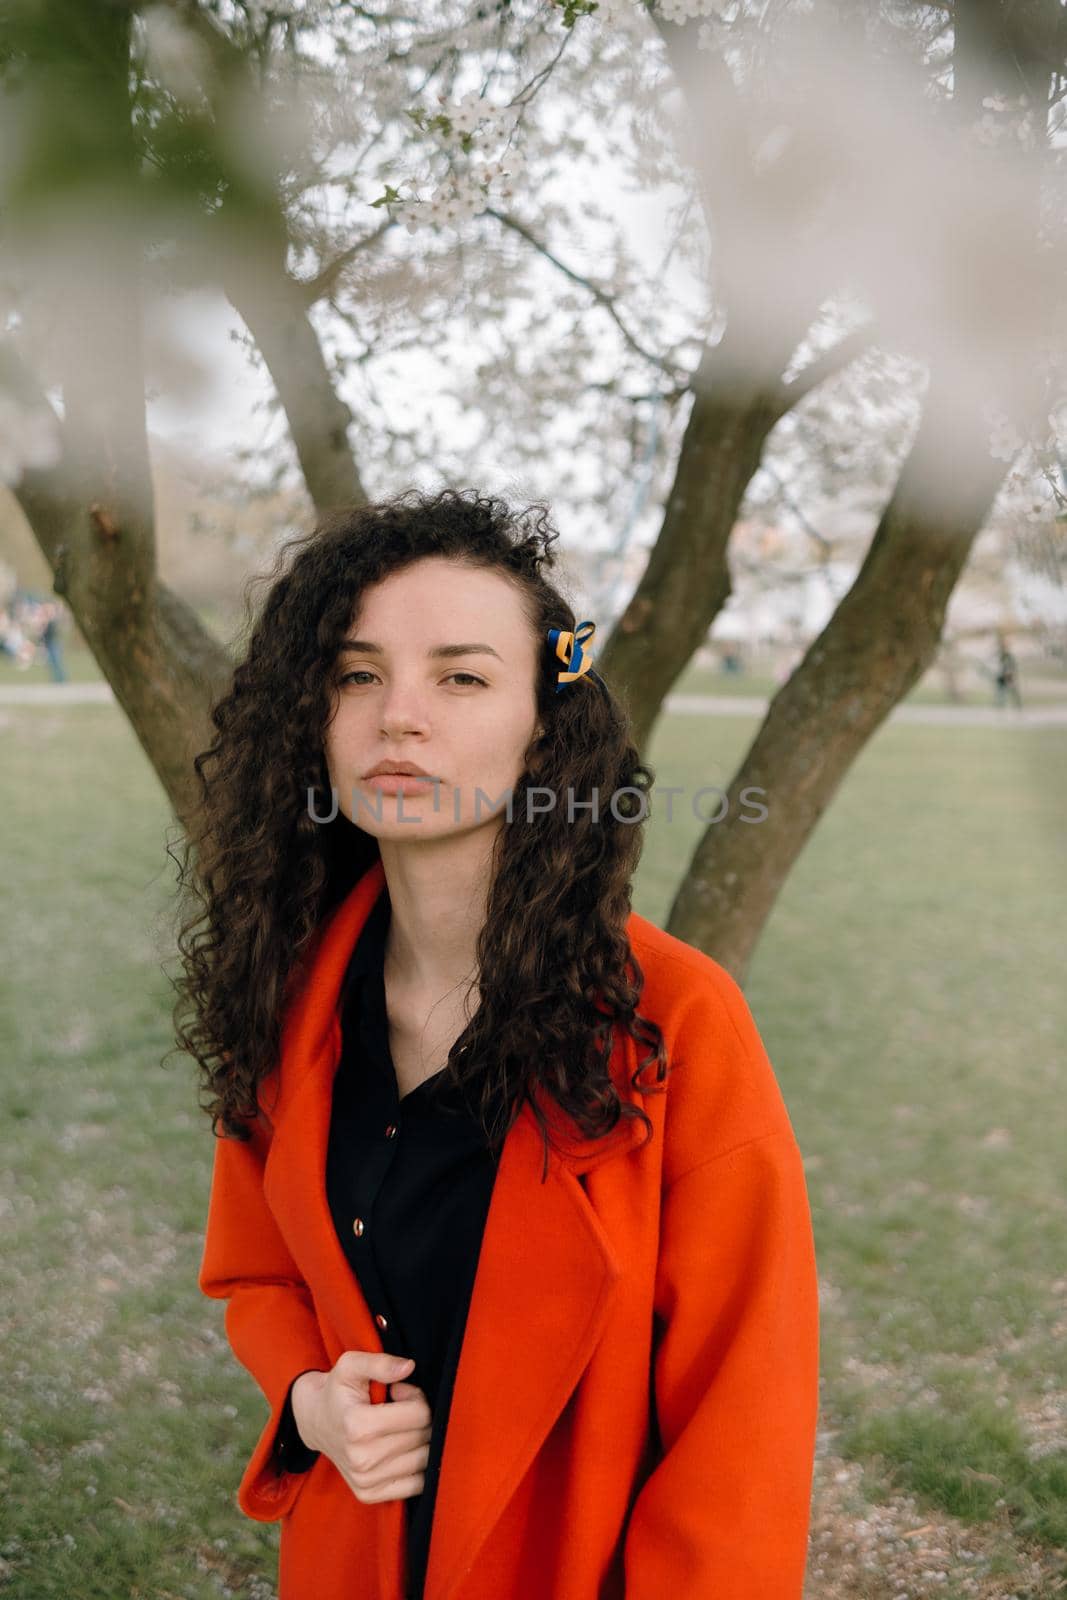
909	990
126	1423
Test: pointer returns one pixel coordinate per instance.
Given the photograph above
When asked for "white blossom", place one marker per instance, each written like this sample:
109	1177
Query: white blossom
1005	441
616	13
682	11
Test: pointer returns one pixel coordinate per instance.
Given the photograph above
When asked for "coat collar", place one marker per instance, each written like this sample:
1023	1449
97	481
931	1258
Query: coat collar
541	1294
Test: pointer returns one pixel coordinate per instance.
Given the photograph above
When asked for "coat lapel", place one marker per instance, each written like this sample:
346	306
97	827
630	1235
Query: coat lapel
294	1178
545	1276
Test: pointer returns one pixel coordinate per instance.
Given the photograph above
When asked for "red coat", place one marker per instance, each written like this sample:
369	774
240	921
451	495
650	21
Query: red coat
635	1406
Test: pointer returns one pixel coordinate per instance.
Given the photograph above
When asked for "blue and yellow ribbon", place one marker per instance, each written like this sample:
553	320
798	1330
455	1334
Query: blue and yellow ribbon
568	648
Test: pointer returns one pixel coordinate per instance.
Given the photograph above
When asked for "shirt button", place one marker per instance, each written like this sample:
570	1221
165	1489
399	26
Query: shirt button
357	1227
380	1320
390	1132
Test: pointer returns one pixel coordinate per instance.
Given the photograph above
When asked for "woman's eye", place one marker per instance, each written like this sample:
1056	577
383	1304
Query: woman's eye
363	672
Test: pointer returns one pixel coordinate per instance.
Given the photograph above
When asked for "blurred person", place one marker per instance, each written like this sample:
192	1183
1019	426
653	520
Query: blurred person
1007	677
14	639
51	639
8	642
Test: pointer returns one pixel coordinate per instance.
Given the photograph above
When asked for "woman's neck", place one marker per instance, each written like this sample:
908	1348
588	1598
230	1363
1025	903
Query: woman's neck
438	902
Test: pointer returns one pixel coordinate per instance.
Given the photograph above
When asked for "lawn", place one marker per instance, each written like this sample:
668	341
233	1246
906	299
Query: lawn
909	990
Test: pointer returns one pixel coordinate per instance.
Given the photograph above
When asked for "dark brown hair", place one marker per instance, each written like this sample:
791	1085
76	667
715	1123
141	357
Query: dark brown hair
556	973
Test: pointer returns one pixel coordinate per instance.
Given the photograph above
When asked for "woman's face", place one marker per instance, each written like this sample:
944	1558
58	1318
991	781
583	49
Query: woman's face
467	717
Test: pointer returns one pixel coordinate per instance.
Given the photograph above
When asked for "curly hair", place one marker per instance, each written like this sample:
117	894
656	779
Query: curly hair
259	873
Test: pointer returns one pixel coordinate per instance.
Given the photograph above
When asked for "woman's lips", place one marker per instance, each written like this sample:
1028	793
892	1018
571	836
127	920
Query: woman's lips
400	783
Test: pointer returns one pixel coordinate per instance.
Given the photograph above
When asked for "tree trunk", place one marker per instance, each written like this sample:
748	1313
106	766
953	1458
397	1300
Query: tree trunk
274	309
687	579
93	514
875	647
164	666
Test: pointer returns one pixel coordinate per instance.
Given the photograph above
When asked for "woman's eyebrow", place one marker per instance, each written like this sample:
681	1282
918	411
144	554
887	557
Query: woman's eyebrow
367	648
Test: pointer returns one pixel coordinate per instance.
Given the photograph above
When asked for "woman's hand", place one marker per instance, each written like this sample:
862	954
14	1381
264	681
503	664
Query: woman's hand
380	1450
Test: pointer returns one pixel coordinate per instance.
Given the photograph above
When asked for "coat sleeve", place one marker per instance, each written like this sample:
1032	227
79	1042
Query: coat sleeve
735	1367
291	1454
270	1319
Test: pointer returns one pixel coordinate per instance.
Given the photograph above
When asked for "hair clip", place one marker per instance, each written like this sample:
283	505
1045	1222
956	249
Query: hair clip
567	647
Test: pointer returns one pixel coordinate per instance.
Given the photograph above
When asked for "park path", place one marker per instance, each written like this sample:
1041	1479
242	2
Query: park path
717	705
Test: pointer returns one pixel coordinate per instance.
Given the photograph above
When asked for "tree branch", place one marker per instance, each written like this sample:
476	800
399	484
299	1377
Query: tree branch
323	284
601	297
250	244
827	364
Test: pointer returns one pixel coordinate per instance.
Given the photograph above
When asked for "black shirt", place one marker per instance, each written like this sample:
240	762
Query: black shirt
417	1175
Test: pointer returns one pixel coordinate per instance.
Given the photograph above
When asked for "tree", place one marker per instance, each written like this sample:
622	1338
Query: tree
865	207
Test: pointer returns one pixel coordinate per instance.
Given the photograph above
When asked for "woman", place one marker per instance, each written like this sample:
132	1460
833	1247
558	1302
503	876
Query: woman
415	1007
